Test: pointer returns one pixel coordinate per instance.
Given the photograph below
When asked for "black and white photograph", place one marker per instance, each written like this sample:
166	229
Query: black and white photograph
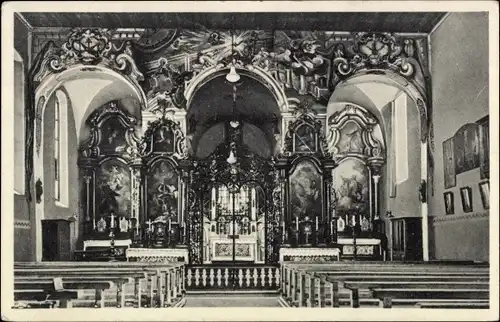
466	196
484	191
449	203
163	158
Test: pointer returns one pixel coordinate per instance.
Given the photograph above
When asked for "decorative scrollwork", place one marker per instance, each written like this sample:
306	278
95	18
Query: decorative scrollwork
89	47
376	51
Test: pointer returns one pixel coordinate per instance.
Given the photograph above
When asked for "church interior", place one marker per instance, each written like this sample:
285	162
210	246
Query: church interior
161	157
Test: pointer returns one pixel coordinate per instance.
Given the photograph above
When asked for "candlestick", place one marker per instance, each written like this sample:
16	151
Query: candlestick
316	223
169	225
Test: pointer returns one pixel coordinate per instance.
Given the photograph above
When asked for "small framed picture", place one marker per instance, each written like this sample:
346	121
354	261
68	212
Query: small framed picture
449	203
484	190
466	194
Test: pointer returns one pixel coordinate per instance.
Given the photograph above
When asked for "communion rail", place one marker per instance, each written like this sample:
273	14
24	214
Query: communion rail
62	284
241	278
424	285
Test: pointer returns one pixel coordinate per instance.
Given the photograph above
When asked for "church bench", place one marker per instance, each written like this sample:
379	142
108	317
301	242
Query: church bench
52	289
386	295
456	304
165	280
317	284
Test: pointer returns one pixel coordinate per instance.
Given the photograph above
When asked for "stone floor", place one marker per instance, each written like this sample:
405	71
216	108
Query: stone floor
231	300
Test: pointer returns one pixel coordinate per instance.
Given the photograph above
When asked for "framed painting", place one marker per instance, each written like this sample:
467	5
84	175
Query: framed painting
113	188
466	148
162	190
484	147
305	190
450	177
449	203
466	194
484	191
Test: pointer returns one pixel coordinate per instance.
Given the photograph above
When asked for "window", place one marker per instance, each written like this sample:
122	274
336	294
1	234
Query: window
401	137
19	144
61	149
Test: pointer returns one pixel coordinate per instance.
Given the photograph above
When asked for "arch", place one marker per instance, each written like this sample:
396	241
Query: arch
43	92
251	71
387	78
398	84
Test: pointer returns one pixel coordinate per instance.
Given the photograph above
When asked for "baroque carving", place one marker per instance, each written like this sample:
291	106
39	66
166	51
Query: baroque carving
89	47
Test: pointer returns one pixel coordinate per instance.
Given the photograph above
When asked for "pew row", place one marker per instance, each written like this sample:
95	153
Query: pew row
154	284
389	284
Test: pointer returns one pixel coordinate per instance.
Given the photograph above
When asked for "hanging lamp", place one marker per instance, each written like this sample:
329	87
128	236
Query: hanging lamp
233	75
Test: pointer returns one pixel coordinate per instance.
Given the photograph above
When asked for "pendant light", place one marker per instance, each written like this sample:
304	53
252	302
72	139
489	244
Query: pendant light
232	76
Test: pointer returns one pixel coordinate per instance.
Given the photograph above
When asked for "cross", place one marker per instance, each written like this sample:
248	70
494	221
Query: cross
149	222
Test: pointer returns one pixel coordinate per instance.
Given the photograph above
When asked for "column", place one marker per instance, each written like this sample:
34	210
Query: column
135	195
329	217
423	205
87	178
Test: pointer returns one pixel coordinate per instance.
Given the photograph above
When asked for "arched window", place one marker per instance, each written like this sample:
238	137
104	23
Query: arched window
19	144
61	149
400	118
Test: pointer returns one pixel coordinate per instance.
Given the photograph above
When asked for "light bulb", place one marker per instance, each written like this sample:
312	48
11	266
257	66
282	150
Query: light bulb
233	76
232	158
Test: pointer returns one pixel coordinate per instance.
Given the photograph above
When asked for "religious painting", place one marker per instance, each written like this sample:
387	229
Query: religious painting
351	182
351	139
466	145
113	137
305	190
304	139
450	177
113	188
164	140
466	194
484	147
449	203
484	191
162	191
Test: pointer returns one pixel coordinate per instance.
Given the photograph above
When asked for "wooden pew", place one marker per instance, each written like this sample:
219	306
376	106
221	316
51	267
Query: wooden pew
319	285
51	290
165	276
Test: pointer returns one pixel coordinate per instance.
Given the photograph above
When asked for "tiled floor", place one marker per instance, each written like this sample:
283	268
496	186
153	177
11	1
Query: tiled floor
231	300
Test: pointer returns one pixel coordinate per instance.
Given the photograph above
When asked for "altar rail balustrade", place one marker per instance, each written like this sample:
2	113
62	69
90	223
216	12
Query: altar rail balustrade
75	284
233	277
355	284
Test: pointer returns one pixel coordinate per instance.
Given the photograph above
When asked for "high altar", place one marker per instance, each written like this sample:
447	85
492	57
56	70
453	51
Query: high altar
313	194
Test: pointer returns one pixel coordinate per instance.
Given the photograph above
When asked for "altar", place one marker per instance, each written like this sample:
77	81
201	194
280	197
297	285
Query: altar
237	250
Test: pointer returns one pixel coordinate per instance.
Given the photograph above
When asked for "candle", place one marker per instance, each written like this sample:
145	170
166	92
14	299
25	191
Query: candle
169	225
316	223
297	223
112	221
331	226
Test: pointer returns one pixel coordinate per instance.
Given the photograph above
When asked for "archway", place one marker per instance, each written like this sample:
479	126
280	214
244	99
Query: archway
102	85
382	95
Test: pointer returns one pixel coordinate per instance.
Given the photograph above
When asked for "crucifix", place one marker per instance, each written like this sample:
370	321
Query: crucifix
149	222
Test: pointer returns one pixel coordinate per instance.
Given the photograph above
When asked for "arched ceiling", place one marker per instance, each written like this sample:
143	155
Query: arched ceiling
213	103
89	93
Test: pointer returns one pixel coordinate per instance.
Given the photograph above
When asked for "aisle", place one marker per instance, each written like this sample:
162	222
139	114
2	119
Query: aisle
231	300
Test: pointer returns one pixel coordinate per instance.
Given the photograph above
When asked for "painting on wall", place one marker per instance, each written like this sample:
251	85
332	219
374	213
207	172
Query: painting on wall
305	190
162	191
466	148
484	147
305	139
466	194
484	191
164	140
449	203
113	188
450	177
351	181
113	137
350	139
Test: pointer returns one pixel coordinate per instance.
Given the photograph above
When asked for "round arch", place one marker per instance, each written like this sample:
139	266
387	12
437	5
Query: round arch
51	85
343	95
254	72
